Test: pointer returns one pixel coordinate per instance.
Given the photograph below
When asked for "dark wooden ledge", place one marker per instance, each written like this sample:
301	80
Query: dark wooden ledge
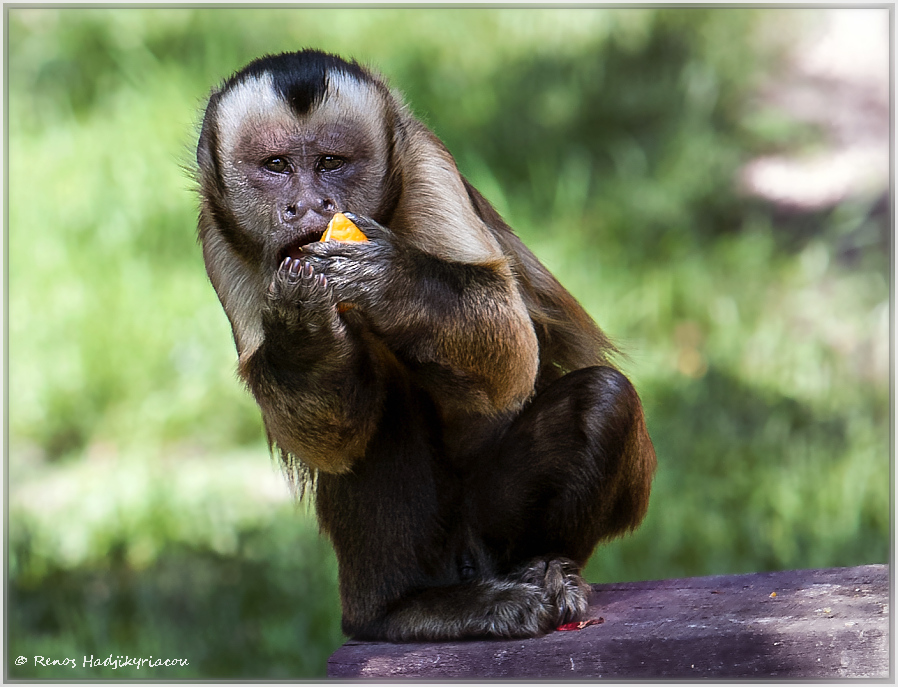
800	624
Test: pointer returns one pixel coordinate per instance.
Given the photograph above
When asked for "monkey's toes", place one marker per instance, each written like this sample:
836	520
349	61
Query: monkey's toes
566	590
534	573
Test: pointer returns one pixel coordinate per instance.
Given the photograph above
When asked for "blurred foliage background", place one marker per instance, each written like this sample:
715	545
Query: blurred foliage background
145	517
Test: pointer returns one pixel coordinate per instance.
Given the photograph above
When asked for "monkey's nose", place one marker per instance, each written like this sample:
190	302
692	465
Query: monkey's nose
294	212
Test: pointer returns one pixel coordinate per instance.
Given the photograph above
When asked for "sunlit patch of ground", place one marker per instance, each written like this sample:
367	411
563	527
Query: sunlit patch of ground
837	78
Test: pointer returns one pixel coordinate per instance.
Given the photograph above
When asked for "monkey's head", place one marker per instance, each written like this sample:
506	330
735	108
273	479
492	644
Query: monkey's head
288	141
285	143
293	138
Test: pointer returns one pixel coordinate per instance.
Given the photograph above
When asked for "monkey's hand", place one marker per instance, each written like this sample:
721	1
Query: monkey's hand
301	301
358	273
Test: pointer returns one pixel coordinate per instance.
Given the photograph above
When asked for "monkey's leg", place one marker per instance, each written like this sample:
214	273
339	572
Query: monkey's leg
524	606
536	600
408	568
574	468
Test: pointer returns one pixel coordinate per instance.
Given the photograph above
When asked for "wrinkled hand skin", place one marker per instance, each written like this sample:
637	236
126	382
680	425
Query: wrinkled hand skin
308	295
300	298
356	272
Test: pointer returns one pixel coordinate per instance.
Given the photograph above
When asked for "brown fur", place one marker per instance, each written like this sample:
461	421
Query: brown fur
451	401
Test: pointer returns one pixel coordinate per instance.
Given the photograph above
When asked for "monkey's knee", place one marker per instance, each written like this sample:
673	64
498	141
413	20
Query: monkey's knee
575	469
609	408
618	441
592	412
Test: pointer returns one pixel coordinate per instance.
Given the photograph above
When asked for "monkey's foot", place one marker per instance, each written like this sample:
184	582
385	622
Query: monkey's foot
564	590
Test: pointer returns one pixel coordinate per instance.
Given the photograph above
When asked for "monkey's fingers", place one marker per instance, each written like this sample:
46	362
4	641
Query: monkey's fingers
297	281
372	229
292	269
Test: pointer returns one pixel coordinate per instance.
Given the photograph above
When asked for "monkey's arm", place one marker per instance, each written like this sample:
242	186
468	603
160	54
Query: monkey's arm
461	328
313	378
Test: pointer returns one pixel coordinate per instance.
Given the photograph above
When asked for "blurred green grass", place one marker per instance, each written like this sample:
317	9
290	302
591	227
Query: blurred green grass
145	517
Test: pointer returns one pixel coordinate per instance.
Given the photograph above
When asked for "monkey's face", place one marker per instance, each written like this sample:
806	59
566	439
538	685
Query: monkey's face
285	170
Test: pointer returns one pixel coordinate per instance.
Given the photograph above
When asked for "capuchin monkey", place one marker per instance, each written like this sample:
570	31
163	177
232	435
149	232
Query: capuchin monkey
449	405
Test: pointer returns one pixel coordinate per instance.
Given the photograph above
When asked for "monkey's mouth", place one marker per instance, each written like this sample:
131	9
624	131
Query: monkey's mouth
294	248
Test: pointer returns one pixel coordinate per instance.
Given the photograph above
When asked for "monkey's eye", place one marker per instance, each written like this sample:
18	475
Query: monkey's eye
276	164
329	163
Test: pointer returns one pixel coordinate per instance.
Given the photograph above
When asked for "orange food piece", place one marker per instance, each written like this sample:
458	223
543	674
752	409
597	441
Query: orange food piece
342	229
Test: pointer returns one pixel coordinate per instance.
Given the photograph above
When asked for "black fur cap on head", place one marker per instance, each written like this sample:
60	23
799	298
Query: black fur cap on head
300	77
